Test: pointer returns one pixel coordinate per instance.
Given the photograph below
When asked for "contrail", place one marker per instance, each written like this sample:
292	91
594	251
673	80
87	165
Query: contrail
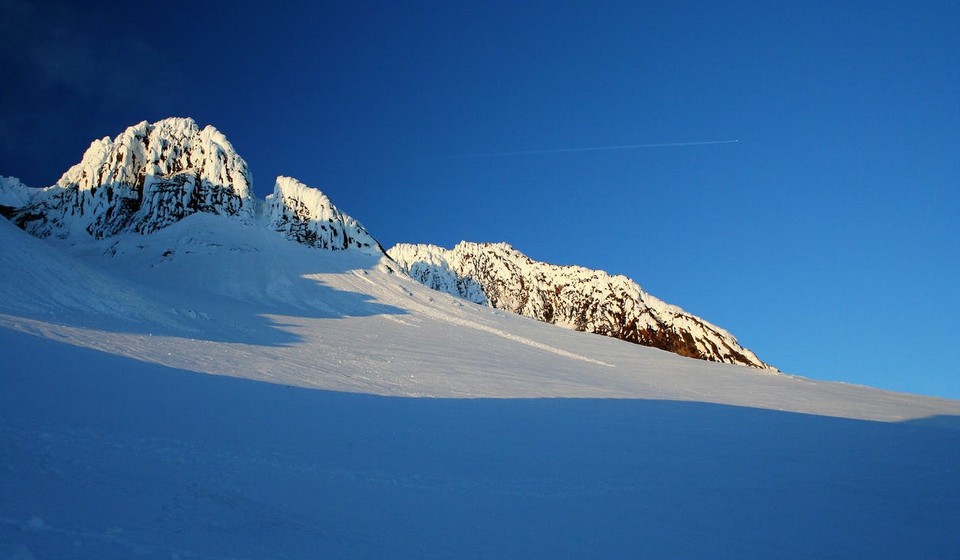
594	149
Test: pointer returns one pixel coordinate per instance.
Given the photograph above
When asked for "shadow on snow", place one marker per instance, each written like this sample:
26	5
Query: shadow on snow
182	281
117	457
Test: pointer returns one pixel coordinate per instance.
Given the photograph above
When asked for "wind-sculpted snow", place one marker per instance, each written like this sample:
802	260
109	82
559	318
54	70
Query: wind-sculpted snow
306	215
146	178
586	300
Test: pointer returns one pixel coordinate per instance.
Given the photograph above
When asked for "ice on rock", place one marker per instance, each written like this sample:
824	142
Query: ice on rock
154	175
428	265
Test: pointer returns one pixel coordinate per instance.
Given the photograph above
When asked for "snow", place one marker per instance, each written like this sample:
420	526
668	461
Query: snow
13	193
245	383
428	264
312	439
153	175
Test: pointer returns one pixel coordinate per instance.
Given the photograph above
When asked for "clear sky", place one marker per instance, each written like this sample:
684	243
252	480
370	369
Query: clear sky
826	238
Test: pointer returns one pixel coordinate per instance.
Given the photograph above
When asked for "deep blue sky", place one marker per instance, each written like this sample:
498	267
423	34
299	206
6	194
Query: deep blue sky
826	239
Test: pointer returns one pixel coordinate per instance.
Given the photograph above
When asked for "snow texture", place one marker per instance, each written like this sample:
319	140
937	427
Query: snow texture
118	442
575	297
429	265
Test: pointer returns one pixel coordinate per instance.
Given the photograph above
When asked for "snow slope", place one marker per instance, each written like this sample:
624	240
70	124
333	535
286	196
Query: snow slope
269	308
248	380
309	440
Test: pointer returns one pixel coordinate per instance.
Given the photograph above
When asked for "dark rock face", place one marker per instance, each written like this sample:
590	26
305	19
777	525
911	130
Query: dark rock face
575	297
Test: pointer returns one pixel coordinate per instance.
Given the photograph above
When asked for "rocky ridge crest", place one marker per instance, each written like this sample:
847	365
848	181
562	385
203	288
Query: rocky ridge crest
498	275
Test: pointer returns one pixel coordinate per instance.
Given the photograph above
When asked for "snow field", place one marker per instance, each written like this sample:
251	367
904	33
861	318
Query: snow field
312	437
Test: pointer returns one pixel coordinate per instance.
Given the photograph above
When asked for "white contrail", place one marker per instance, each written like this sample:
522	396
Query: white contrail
594	149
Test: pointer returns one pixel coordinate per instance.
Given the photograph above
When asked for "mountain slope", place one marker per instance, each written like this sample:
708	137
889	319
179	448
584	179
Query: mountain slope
247	381
572	296
214	294
307	216
117	445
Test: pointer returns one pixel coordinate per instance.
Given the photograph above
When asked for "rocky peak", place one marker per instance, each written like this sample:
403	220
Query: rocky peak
146	178
575	297
304	214
153	175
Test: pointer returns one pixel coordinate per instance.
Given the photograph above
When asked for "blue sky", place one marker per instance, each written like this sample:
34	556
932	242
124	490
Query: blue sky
825	239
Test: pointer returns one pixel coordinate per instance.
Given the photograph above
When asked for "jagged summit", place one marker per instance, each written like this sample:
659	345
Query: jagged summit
155	174
146	178
498	275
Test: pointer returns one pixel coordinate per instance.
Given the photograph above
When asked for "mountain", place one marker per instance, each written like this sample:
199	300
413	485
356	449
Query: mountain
146	178
153	175
498	275
230	386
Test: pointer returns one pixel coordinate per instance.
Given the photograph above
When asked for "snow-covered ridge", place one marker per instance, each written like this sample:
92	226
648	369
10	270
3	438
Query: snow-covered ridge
306	215
575	297
153	175
429	265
